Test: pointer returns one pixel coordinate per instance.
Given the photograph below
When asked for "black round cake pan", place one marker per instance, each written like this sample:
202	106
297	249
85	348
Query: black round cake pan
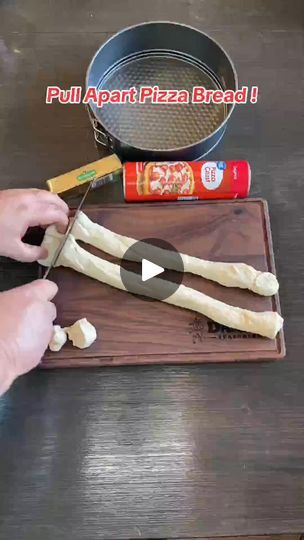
170	56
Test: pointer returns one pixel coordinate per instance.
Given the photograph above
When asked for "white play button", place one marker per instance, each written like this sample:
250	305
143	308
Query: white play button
149	270
153	281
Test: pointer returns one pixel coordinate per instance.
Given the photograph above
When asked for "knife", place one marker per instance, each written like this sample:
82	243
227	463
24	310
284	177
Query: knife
68	232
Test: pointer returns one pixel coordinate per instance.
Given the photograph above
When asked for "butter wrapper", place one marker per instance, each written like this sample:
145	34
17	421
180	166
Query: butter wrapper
75	182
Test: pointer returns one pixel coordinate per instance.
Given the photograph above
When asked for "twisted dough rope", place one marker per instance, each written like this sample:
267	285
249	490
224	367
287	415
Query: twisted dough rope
228	274
266	323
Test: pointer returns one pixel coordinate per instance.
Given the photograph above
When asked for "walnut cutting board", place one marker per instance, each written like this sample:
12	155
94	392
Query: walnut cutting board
132	330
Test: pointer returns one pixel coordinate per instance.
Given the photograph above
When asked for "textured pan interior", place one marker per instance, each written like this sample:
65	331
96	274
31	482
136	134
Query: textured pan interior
160	126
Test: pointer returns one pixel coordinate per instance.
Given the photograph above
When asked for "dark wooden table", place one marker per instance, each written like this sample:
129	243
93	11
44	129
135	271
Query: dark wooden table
157	452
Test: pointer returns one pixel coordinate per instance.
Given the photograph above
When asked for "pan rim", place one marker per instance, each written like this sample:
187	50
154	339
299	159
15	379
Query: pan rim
180	148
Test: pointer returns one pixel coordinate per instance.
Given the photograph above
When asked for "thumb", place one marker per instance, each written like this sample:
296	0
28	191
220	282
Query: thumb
40	289
28	253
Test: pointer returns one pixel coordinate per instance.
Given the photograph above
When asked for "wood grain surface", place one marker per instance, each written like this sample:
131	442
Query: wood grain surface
185	451
264	537
132	330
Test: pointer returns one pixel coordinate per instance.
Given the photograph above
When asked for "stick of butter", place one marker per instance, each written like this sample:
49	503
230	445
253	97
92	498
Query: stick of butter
73	182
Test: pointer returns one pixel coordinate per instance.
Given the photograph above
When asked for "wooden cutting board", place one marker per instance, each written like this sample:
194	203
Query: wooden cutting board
132	330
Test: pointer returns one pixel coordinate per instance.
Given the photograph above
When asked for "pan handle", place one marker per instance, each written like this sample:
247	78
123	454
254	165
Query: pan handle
103	138
100	136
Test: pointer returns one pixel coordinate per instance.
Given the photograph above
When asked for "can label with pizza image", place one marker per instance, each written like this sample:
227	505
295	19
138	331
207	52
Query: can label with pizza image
186	180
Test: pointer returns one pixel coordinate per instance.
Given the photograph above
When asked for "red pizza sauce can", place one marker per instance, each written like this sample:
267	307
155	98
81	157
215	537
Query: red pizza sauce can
186	180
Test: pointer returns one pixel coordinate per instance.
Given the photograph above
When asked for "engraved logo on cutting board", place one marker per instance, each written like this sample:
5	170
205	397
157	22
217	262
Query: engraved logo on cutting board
200	329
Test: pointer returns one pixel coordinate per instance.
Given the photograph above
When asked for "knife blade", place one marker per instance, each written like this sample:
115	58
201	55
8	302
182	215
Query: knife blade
68	232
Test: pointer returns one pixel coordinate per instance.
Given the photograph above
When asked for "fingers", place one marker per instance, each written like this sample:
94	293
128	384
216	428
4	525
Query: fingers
29	253
52	198
51	311
49	214
48	209
40	289
62	226
21	209
44	289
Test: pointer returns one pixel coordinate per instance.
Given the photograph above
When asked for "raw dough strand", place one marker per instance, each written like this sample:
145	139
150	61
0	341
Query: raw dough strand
265	323
228	274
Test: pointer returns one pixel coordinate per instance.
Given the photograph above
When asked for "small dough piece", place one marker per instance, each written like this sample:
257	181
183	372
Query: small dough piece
267	323
82	333
59	338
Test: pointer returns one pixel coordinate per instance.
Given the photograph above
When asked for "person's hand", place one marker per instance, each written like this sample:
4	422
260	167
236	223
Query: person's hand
24	208
26	315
